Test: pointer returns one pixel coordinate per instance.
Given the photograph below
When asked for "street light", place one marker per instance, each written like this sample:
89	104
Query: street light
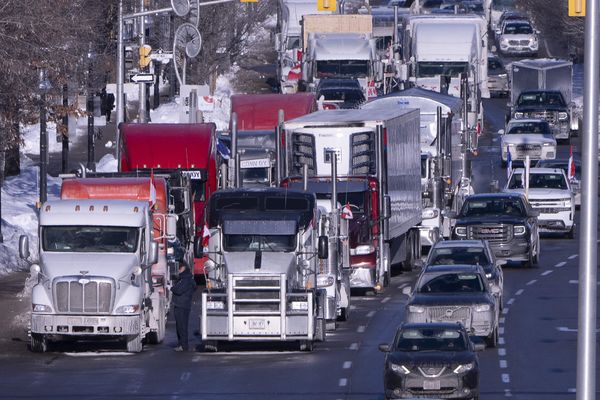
44	87
90	110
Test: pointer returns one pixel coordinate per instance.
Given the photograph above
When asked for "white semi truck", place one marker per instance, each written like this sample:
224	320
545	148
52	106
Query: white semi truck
94	273
439	49
264	253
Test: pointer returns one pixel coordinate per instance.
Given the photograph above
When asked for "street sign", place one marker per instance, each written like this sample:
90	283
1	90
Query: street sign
142	78
576	8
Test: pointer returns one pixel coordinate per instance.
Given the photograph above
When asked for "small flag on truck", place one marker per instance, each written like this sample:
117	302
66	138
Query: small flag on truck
347	212
571	170
152	197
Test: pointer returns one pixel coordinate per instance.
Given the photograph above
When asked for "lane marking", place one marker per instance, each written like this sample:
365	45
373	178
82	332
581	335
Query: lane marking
501	341
502	320
361	329
185	376
565	329
503	364
347	364
501	352
573	390
343	382
576	282
547	272
501	330
98	354
510	301
505	310
370	314
519	292
388	298
354	346
560	264
507	393
403	286
572	256
506	378
531	282
352	307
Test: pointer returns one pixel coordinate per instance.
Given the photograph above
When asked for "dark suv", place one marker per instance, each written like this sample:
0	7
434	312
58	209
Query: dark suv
548	105
505	220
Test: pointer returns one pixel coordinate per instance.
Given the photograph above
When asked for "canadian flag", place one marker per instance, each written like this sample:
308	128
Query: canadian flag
205	235
571	170
347	212
152	198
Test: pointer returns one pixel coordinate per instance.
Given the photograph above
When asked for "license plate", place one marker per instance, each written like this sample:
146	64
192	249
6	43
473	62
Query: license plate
432	385
90	321
257	323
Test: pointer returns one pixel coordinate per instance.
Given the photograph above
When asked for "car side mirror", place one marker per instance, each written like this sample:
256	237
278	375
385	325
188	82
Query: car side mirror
24	247
500	263
501	132
323	247
384	348
153	253
498	31
407	290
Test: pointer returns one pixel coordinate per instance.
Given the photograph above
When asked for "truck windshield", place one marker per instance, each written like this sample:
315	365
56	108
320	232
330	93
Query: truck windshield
430	69
90	239
255	175
354	68
539	181
273	243
540	98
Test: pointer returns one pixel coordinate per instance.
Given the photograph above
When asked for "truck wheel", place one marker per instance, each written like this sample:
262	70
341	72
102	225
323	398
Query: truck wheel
306	345
39	343
159	335
344	314
210	346
320	330
134	344
492	340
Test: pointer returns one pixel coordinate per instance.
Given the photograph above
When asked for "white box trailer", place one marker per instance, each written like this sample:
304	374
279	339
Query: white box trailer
543	74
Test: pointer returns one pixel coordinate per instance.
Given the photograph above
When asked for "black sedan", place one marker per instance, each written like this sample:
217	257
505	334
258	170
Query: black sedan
431	360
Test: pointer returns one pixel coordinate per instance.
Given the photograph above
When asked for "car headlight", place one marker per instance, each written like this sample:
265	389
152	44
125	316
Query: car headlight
430	213
464	368
362	250
215	305
399	369
488	275
325	280
42	308
129	309
562	116
518	115
460	231
299	305
482	307
519	230
503	76
416	309
504	40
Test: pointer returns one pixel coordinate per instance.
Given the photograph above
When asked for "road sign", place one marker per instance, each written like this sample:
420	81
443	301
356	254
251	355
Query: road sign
576	8
326	5
142	78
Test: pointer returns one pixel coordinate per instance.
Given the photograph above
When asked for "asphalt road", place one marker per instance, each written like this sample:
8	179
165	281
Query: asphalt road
535	359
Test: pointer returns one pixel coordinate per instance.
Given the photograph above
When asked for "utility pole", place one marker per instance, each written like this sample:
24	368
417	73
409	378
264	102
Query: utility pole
44	85
65	136
90	110
142	110
120	81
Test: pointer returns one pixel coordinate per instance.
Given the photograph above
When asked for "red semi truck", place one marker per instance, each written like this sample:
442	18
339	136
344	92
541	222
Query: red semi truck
257	117
165	148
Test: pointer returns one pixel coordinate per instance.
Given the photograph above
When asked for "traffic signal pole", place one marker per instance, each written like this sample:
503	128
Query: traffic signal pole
143	88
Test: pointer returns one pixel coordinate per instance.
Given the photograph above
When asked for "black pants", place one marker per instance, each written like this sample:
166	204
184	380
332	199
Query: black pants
182	316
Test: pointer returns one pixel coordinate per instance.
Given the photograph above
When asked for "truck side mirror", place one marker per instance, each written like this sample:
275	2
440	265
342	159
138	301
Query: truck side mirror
171	232
501	132
24	247
153	253
323	247
387	207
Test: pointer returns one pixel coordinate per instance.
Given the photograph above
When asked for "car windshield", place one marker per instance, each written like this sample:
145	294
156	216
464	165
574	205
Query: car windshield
274	243
431	69
540	127
495	65
540	98
412	340
355	68
451	283
498	206
539	181
518	29
458	255
90	239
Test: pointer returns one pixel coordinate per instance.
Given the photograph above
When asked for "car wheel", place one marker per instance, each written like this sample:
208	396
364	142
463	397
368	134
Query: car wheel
492	340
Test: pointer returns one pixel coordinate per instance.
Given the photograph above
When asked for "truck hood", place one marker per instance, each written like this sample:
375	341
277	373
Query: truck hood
490	219
96	264
449	299
541	107
544	194
525	138
271	263
417	358
524	36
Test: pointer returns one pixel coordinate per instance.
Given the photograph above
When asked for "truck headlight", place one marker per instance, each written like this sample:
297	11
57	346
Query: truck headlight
416	309
502	76
562	116
464	368
215	305
41	308
488	275
362	250
299	306
325	280
399	369
518	115
460	231
482	307
519	230
430	213
129	309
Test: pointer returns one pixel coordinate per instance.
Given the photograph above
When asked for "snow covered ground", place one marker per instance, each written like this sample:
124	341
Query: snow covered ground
21	193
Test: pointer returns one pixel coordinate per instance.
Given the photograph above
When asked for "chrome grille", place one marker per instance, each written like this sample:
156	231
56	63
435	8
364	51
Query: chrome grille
363	153
431	371
491	233
449	313
522	42
303	152
252	294
550	116
78	294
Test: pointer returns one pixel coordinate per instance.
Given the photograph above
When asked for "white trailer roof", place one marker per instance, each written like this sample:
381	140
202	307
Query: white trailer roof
425	100
542	63
94	212
361	116
341	46
446	42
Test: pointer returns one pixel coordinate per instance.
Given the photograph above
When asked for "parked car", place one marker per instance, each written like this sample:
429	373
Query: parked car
455	293
497	76
518	38
527	137
550	194
563	163
471	252
505	220
430	360
340	93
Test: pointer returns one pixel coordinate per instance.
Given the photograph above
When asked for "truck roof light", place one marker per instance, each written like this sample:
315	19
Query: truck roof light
193	166
105	208
47	208
135	209
145	166
91	208
157	165
77	208
178	165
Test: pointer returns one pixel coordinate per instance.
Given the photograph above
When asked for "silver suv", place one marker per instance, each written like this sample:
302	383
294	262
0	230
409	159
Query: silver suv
518	38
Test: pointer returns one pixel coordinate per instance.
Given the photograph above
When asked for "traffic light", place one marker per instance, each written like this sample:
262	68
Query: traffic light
145	56
326	5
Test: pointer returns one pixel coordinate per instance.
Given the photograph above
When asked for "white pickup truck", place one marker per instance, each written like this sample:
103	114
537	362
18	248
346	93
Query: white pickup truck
527	137
549	193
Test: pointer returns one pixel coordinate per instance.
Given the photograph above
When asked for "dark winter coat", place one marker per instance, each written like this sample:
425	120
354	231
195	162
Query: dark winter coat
183	290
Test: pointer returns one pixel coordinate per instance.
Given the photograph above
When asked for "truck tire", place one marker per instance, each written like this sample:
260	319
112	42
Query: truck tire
344	314
306	345
210	346
492	340
134	344
159	335
39	343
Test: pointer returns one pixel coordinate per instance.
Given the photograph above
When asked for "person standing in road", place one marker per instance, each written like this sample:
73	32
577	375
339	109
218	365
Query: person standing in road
183	290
